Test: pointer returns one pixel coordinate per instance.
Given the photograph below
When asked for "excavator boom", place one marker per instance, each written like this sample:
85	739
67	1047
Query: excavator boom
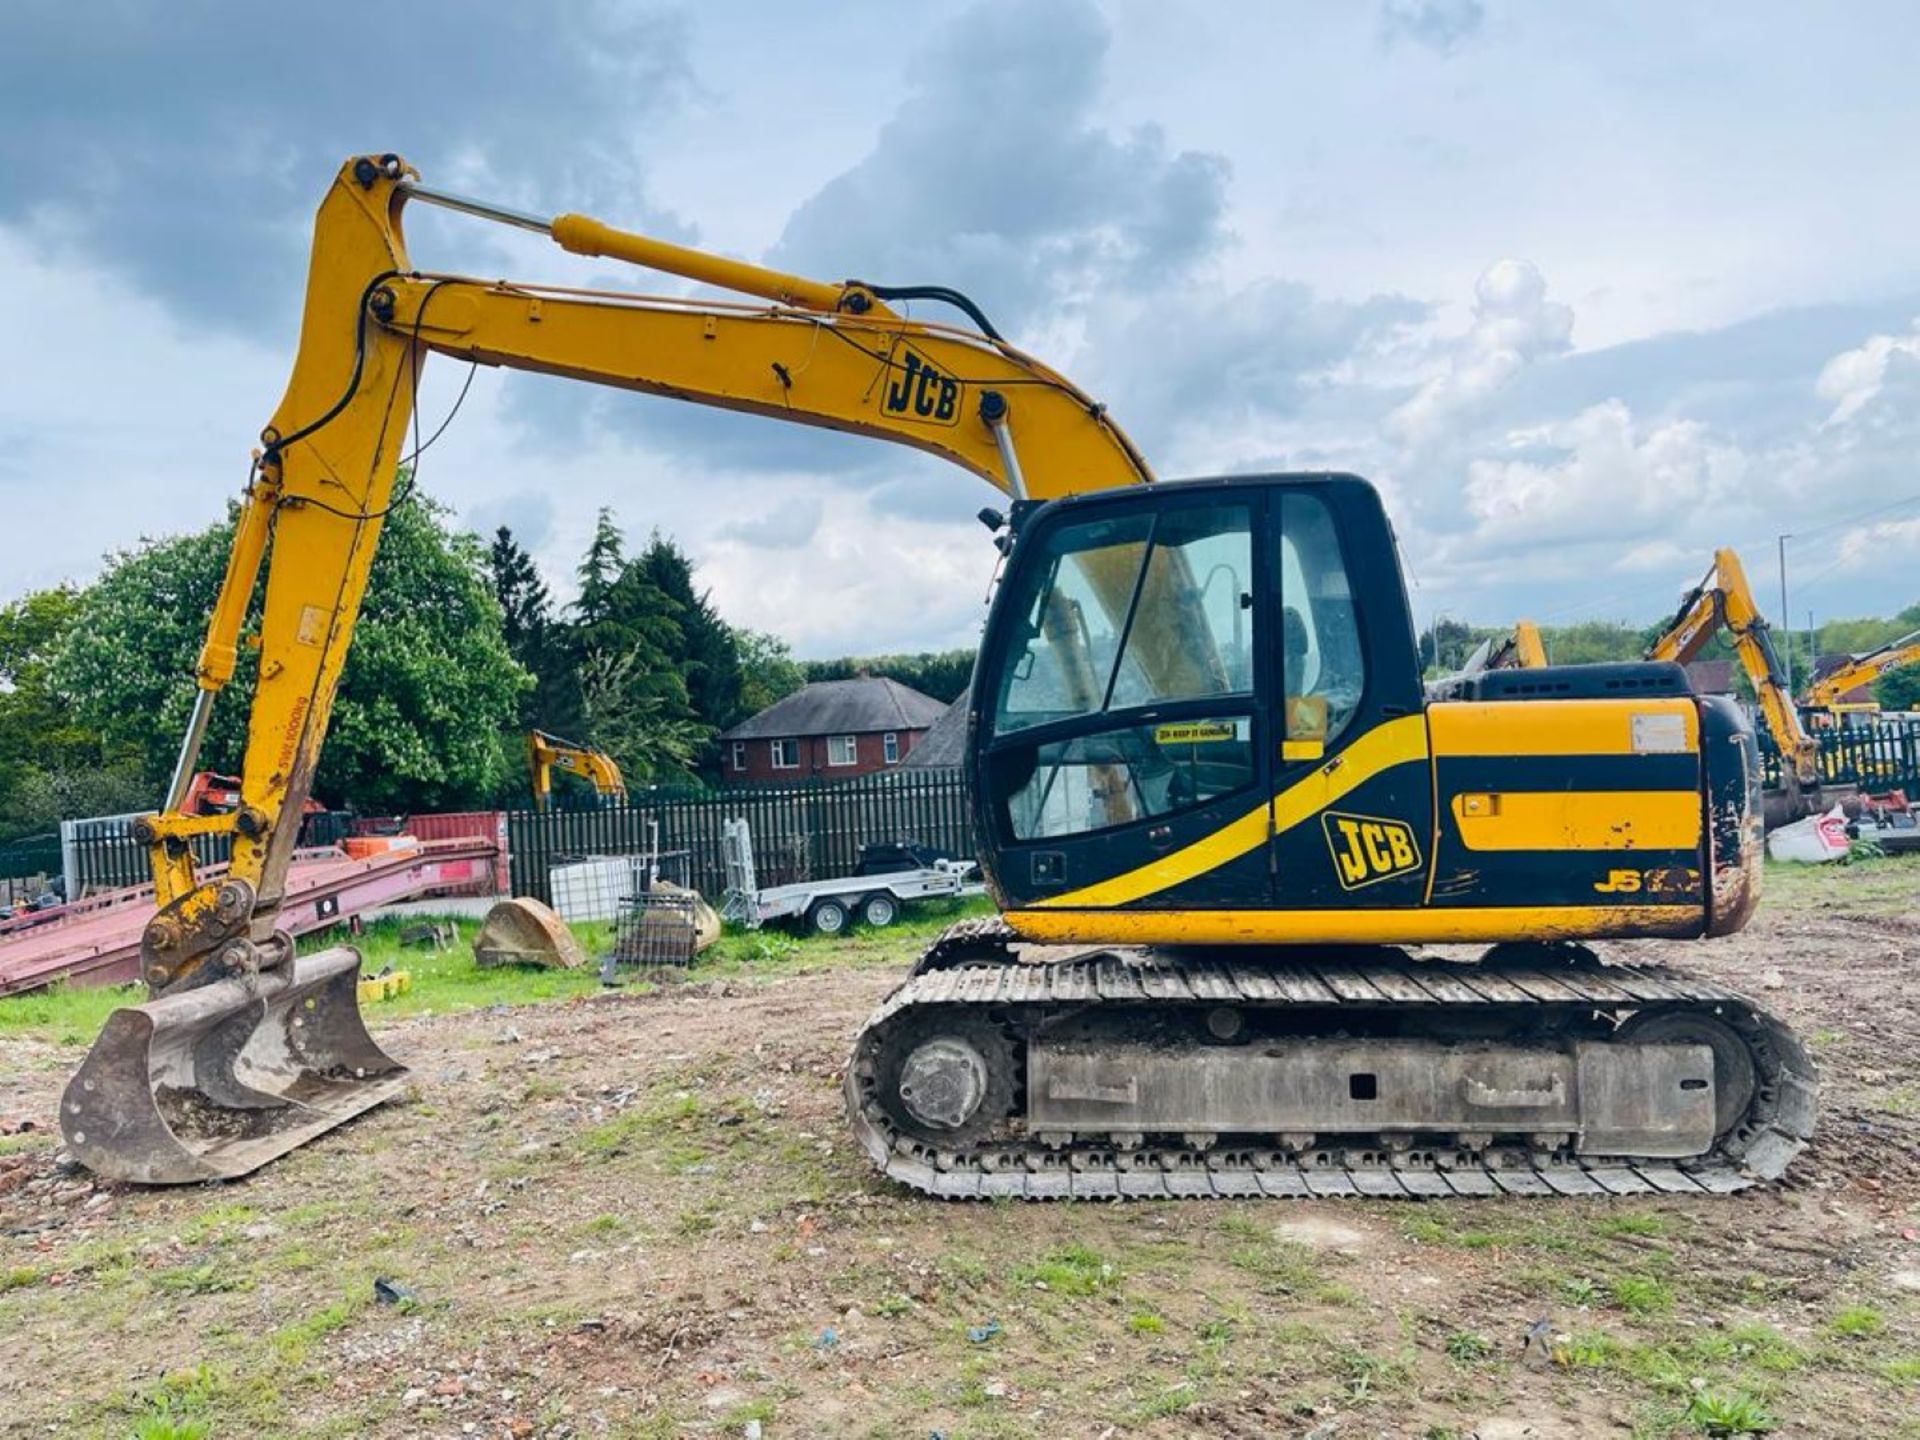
1724	599
229	1022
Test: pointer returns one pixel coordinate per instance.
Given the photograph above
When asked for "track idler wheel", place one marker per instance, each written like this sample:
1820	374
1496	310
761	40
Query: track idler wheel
947	1082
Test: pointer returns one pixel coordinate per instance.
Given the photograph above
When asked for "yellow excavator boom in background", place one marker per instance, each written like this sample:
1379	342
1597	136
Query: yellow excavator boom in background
1723	598
547	753
1521	649
1825	693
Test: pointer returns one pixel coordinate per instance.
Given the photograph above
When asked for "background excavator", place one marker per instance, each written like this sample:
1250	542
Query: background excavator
1199	752
547	753
1824	695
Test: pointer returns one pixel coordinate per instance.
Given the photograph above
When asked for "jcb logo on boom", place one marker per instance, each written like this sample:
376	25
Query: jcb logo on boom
920	392
1366	849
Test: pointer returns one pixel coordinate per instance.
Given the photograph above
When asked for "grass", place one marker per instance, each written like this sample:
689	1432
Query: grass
1173	1400
1729	1414
209	1278
291	1343
1076	1270
1881	885
1468	1348
1857	1322
1641	1294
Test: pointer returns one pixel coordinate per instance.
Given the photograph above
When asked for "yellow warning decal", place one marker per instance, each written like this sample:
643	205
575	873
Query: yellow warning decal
1194	732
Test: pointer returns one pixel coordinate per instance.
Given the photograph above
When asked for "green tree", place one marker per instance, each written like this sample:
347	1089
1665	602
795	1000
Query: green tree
1456	641
534	636
624	642
706	655
768	671
943	674
51	766
1594	641
426	699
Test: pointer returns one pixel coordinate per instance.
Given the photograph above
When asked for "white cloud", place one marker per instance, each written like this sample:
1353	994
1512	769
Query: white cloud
1655	555
790	525
1853	379
1889	541
864	584
1514	325
1610	481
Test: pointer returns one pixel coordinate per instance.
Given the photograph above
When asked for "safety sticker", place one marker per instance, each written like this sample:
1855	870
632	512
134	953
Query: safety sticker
1194	732
1659	734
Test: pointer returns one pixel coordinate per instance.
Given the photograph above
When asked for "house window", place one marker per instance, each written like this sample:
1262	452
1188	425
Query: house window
786	754
890	744
843	750
739	755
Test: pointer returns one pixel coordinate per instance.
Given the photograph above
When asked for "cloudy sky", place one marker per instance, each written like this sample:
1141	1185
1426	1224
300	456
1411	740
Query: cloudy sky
1586	289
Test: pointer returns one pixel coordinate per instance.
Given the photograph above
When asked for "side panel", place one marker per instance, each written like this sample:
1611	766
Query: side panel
1587	803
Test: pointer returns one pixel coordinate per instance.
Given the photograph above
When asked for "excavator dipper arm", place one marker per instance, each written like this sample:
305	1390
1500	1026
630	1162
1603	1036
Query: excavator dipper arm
1724	597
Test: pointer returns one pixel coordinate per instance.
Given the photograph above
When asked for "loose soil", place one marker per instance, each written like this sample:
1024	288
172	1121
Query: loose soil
641	1215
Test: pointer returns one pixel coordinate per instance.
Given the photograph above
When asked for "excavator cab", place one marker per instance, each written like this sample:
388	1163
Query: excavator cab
1161	660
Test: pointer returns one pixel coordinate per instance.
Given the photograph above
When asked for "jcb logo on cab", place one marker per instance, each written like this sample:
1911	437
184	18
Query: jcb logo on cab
1366	848
920	392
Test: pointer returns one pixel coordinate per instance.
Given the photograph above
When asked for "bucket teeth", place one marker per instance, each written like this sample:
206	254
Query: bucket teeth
212	1083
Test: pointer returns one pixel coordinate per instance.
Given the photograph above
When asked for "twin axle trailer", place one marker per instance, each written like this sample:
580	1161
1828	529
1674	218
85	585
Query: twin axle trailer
891	878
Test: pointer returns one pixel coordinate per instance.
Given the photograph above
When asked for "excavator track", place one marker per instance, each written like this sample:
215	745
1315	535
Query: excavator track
975	997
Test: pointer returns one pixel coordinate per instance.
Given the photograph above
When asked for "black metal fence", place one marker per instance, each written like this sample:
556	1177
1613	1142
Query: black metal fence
805	831
1880	757
26	867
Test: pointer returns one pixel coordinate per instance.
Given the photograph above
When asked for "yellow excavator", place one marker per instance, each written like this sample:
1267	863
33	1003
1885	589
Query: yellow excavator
547	753
1522	648
1724	600
1824	695
1200	756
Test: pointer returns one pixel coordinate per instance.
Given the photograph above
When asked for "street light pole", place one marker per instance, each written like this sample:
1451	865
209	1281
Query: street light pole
1786	618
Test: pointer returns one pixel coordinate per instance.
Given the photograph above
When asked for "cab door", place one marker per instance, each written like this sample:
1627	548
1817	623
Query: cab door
1353	787
1122	739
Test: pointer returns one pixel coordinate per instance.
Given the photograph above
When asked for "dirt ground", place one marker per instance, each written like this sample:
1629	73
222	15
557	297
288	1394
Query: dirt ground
641	1215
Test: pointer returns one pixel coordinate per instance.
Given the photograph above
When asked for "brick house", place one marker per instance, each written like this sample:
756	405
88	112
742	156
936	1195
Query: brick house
831	730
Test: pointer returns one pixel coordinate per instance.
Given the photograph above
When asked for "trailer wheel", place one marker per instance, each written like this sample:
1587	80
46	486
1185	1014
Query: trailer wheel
879	910
828	917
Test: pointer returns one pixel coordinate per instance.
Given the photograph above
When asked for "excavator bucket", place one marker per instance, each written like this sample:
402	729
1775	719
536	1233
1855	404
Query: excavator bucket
212	1083
525	932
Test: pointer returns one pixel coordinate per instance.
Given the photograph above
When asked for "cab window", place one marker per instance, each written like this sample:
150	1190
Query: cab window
1322	672
1135	610
1123	615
